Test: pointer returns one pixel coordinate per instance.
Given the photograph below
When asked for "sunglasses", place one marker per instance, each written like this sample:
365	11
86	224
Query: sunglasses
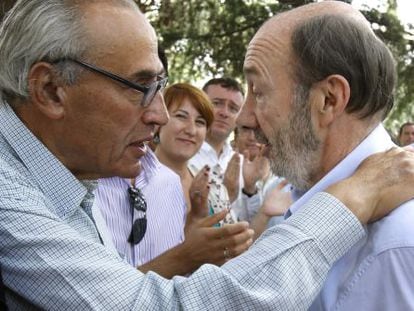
139	227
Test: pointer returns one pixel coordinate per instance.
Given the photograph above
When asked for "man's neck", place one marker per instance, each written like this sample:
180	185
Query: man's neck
338	145
216	144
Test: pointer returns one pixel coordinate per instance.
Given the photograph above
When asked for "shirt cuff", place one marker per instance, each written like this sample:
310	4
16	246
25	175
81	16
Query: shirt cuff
330	222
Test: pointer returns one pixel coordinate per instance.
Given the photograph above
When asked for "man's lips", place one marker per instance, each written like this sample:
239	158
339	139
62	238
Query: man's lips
221	122
142	144
254	146
261	138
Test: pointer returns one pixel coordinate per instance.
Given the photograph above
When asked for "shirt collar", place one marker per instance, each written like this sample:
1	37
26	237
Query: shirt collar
227	150
377	141
57	183
150	166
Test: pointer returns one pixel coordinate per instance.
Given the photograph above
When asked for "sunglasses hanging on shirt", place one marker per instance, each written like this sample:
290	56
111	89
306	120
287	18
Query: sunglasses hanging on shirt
138	203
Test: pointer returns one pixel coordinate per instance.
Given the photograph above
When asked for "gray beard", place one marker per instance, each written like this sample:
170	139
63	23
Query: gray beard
295	148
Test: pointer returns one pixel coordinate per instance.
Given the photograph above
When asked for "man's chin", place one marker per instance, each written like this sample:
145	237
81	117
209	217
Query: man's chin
128	171
218	135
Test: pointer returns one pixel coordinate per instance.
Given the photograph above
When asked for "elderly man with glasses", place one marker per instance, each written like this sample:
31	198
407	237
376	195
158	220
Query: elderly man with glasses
80	86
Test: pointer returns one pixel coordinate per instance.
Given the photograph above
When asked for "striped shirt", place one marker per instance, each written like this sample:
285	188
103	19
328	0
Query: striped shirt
166	210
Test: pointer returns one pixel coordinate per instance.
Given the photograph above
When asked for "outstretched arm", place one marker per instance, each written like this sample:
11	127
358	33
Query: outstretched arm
283	270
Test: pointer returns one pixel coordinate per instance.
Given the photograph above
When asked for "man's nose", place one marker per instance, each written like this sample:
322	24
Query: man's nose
159	112
247	116
223	111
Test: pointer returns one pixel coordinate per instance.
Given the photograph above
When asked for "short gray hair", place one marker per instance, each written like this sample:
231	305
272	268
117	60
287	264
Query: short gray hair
36	30
335	44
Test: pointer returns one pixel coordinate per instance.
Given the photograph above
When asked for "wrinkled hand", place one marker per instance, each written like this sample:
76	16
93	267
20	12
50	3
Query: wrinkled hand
276	201
231	178
254	169
206	244
381	183
199	191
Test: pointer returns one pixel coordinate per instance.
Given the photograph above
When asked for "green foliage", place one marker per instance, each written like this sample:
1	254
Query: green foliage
205	38
208	37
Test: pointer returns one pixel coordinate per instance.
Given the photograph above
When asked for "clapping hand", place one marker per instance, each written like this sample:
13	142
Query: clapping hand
277	201
199	191
254	169
232	177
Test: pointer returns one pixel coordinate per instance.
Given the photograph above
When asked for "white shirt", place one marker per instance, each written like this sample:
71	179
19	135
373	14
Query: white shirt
207	155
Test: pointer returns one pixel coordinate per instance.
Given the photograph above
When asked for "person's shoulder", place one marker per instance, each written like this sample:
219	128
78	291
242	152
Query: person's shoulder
395	230
12	171
16	186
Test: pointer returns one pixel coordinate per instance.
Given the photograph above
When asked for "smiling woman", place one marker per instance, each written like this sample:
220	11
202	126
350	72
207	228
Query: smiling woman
191	114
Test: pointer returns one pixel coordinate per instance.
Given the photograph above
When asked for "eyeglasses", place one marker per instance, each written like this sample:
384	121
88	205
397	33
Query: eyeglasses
244	130
139	227
149	91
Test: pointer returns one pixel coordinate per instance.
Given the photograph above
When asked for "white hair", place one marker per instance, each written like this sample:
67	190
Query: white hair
42	30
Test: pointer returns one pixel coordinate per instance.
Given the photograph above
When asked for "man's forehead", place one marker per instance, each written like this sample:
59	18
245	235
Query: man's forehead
278	29
106	26
219	92
266	54
122	38
409	127
282	25
272	42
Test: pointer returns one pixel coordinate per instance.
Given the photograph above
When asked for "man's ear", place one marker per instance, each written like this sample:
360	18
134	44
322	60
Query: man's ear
332	97
46	91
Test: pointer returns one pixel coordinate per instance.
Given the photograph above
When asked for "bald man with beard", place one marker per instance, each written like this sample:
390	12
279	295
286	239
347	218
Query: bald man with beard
319	85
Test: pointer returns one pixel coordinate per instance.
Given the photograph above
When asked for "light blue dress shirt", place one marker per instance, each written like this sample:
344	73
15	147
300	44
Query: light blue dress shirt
378	272
52	257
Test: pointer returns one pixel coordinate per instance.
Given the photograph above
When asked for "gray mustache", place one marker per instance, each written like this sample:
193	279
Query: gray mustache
260	137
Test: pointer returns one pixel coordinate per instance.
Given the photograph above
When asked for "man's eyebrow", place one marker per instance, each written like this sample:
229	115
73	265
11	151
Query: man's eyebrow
249	70
147	74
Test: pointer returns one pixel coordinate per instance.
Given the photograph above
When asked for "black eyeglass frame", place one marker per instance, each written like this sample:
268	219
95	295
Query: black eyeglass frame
148	91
